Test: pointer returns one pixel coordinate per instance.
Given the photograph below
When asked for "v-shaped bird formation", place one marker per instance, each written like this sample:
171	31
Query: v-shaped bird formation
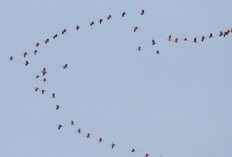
153	42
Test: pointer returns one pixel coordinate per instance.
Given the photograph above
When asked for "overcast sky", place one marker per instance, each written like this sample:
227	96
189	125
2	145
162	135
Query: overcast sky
175	104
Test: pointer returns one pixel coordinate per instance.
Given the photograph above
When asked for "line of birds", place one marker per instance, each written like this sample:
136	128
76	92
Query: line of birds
135	29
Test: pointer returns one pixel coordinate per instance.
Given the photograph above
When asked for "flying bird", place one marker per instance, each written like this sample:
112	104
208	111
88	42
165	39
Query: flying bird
44	71
65	66
63	31
153	42
88	135
185	39
135	29
176	40
35	52
26	63
36	89
170	38
53	95
139	48
195	40
72	122
109	17
77	27
46	41
132	150
142	12
100	140
202	38
157	52
57	107
92	23
55	36
100	21
79	130
146	155
210	35
37	76
59	126
221	34
24	54
11	58
43	91
112	145
123	14
37	44
44	80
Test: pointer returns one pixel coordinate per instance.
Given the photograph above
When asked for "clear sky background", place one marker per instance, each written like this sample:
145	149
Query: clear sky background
176	104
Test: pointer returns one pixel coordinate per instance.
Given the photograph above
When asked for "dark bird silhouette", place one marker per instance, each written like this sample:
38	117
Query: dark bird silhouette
211	35
65	66
135	29
176	40
53	95
77	27
132	150
157	52
37	76
11	58
35	52
72	122
185	39
26	63
55	36
100	21
44	71
43	91
139	48
146	155
202	38
109	17
142	12
112	145
88	135
170	38
44	80
123	14
63	31
100	140
37	44
79	130
221	34
92	23
195	40
24	54
153	42
36	89
46	41
57	107
59	126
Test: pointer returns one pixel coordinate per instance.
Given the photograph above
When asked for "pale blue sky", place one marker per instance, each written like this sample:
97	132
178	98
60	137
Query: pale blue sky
176	104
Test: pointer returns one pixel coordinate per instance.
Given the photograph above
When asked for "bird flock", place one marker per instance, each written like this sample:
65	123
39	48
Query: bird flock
43	72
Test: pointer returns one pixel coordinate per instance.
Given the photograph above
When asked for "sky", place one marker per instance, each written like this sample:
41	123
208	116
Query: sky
175	104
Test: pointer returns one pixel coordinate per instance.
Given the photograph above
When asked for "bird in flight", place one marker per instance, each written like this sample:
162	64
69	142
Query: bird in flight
88	135
59	126
53	95
55	36
44	80
46	41
157	52
65	66
37	44
43	91
37	76
79	130
63	31
170	38
123	14
185	39
92	23
135	28
112	145
109	17
26	63
142	12
35	52
100	21
11	58
57	107
36	89
100	140
24	54
132	150
139	48
72	122
153	42
176	40
146	155
44	71
202	38
77	27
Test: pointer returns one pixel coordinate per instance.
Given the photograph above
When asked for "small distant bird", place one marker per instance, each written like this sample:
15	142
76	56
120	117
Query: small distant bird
55	36
35	52
59	126
100	140
11	58
36	89
77	27
146	155
221	34
112	145
231	30
139	48
135	29
44	71
92	23
100	21
44	80
157	52
176	40
142	12
57	107
88	135
63	31
72	122
24	54
132	150
210	35
202	38
109	17
153	42
26	63
65	66
37	44
170	38
79	130
46	41
43	91
53	95
37	76
123	14
185	39
195	40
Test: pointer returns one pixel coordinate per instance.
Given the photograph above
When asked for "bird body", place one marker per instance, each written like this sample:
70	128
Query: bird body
142	12
123	14
77	27
63	31
53	95
57	107
135	28
100	140
65	66
59	126
112	145
72	123
55	36
26	63
92	23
